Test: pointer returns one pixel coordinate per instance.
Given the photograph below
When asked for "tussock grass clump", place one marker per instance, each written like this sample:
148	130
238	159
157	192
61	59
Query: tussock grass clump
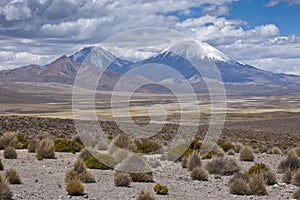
5	191
121	179
296	194
79	171
32	145
217	151
84	154
7	139
124	141
246	154
222	166
146	195
1	166
243	184
287	177
67	146
226	146
45	149
161	189
21	143
137	167
260	168
194	161
184	162
257	185
12	176
275	150
294	152
75	187
290	163
238	184
10	153
200	174
296	178
147	145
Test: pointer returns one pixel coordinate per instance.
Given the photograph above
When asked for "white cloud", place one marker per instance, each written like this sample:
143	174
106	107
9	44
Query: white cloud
16	10
272	3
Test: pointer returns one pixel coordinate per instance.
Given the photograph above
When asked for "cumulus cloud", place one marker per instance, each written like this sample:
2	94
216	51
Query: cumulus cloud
272	3
37	31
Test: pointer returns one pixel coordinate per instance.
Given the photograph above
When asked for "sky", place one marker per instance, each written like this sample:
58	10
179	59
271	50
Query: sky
263	33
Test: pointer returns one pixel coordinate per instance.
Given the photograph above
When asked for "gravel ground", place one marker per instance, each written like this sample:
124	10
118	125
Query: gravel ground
45	180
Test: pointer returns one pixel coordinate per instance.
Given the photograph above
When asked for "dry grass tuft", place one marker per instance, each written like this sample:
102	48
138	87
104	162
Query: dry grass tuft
290	163
222	166
45	149
121	179
8	139
200	174
12	176
296	194
246	154
146	195
194	161
5	191
75	187
296	178
257	185
10	153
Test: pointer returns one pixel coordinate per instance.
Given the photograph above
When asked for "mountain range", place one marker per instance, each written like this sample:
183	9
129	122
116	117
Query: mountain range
181	57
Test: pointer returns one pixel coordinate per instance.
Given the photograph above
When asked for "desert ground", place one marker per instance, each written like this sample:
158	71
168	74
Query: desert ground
261	122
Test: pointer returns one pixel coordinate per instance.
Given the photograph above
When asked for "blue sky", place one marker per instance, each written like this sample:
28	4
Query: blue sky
263	33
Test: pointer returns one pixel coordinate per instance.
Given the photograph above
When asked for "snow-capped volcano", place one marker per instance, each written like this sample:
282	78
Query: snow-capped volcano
193	49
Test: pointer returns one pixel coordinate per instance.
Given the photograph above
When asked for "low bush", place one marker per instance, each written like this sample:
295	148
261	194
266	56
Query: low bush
275	150
238	184
101	161
45	149
194	161
21	143
296	194
67	146
1	166
32	145
222	166
5	191
7	139
161	189
12	176
227	146
296	178
137	167
146	195
287	177
10	153
231	152
260	168
146	145
75	187
246	154
122	179
290	163
257	185
217	151
200	174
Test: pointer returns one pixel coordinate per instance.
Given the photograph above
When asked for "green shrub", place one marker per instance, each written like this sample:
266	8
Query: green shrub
296	194
200	174
21	143
1	166
146	145
146	195
45	149
12	176
101	161
246	154
7	139
194	161
5	192
261	168
227	146
195	145
231	152
75	187
10	153
290	163
222	166
121	179
67	146
161	189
